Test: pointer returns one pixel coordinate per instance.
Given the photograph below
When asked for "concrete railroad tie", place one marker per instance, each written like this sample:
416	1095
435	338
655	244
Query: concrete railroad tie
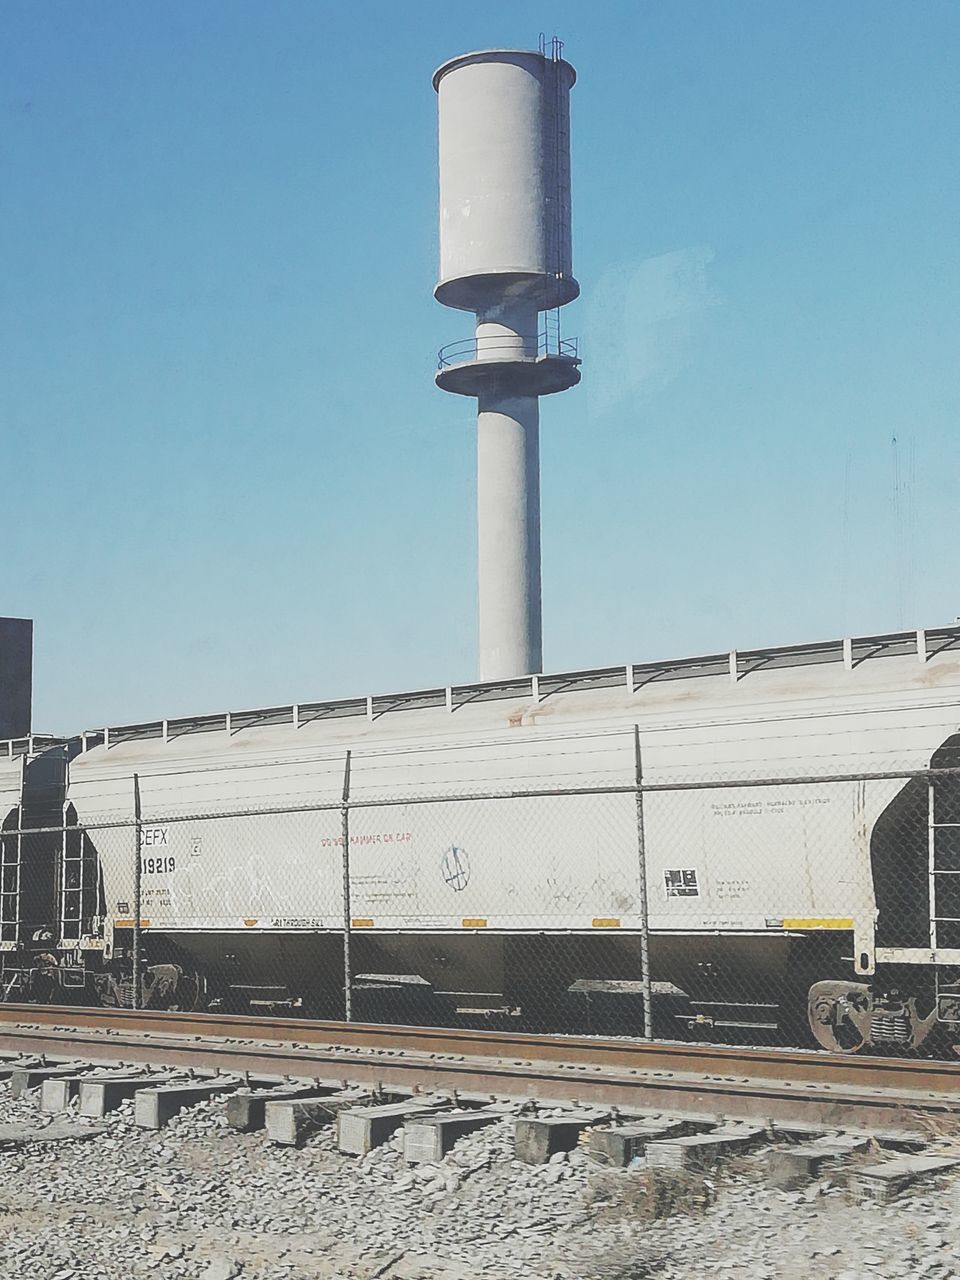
537	1138
791	1167
57	1092
884	1182
23	1079
291	1122
155	1106
100	1095
617	1146
246	1111
429	1138
702	1150
361	1129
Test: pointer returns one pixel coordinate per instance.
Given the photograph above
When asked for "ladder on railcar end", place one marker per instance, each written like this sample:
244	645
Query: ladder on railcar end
943	865
11	843
71	884
943	879
79	884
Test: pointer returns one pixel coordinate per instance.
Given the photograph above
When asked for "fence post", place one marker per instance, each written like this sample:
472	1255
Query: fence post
137	878
646	986
345	837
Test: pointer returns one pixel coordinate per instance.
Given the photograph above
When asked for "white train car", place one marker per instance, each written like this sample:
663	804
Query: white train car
495	839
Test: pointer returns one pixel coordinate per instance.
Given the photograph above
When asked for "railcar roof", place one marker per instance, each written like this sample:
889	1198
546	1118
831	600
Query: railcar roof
922	645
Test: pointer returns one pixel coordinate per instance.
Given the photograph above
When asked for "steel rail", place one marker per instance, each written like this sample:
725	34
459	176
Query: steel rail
775	1084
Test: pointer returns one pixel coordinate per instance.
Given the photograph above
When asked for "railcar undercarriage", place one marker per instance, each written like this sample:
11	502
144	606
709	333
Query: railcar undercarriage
911	1012
848	1017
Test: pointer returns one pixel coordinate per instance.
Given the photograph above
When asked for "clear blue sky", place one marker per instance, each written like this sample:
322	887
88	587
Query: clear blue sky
228	478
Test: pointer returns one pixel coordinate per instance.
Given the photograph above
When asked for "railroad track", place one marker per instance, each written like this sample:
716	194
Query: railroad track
779	1085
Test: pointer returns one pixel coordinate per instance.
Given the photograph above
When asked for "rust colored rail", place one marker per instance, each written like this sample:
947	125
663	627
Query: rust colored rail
816	1066
780	1084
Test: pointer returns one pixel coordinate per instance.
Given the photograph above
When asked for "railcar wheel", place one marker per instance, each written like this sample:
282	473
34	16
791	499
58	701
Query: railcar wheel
44	982
839	1015
189	997
167	987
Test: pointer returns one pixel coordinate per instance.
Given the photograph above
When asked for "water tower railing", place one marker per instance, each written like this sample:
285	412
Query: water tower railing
473	350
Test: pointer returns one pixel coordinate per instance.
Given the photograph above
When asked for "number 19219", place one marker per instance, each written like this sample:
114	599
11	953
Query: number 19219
155	866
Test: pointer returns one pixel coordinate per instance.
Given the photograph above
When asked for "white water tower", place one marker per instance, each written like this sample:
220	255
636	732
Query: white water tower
505	255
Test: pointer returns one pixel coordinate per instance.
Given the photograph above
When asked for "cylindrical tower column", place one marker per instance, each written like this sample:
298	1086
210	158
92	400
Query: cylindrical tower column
508	535
508	331
505	254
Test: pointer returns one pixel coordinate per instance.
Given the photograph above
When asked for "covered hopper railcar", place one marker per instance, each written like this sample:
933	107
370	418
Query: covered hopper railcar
796	822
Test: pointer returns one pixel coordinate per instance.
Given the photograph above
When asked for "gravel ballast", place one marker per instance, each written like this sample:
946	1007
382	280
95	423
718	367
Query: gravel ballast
198	1199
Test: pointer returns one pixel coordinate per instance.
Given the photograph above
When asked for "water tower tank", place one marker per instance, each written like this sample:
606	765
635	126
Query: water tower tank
505	179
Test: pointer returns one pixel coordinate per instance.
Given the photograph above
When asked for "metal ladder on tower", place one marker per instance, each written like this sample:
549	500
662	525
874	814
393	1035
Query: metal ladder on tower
550	338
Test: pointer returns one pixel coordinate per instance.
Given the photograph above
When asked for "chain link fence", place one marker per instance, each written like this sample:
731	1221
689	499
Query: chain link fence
565	889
